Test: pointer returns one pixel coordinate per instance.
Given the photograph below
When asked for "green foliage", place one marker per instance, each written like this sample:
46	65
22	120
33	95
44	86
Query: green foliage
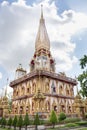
0	121
70	120
26	121
84	129
53	118
20	122
10	105
9	123
36	120
14	123
83	62
3	122
62	116
82	78
86	115
82	123
71	125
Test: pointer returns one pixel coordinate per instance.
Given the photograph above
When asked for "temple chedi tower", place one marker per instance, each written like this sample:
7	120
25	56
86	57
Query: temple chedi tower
42	59
42	90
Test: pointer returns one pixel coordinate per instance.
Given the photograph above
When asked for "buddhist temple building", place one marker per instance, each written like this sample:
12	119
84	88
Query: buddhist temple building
42	89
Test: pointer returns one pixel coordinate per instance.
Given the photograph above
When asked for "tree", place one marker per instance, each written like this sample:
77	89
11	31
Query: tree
0	121
82	78
53	118
9	122
20	122
62	116
3	122
14	123
26	121
36	121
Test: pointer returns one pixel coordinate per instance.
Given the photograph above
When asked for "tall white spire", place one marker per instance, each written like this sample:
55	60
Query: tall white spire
42	39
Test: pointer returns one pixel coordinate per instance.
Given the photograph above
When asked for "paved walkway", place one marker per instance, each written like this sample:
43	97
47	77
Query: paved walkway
42	127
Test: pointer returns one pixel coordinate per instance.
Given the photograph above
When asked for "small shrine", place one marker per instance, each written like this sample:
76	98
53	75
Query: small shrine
78	106
85	103
4	106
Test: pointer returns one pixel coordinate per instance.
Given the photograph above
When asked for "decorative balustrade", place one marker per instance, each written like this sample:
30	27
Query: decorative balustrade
43	73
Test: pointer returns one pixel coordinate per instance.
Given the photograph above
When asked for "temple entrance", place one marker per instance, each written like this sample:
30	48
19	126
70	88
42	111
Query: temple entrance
62	108
27	109
82	111
55	108
21	110
1	112
69	109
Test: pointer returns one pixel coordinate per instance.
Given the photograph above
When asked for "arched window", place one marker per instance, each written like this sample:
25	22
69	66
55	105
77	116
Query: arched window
54	105
34	88
67	91
21	109
53	87
47	87
23	90
60	90
28	89
32	106
17	93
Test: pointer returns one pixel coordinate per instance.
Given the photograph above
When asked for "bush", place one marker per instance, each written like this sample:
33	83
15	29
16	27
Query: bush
0	121
9	122
44	122
71	125
61	117
36	121
20	122
26	121
85	115
14	123
53	118
82	123
71	120
3	122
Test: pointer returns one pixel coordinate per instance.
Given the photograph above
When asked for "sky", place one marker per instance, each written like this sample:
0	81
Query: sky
66	23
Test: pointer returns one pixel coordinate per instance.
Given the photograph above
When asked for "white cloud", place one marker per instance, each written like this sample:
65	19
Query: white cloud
18	28
6	89
0	75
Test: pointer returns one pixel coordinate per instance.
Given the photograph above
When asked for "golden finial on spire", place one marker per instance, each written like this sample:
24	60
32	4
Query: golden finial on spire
41	11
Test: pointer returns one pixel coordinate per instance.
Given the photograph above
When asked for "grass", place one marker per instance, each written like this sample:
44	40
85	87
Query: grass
84	129
4	129
71	120
64	129
1	128
71	125
82	123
